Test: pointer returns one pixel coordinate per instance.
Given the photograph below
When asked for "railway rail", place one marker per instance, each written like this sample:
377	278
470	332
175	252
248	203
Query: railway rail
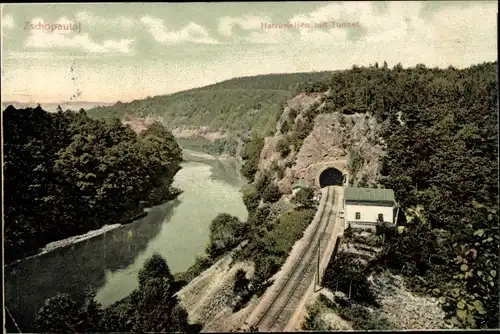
282	306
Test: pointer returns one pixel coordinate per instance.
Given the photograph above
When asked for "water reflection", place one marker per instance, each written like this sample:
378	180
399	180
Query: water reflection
82	265
109	263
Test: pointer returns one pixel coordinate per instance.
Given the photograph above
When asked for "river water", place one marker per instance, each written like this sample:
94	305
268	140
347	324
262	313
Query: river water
109	263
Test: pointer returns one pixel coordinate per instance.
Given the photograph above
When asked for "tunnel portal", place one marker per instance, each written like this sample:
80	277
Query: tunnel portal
331	177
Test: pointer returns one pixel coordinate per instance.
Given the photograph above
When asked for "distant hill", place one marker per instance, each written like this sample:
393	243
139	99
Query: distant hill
234	106
52	107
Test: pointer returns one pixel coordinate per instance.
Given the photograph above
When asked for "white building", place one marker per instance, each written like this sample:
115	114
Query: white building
367	207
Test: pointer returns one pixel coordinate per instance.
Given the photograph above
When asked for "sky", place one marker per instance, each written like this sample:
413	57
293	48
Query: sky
127	51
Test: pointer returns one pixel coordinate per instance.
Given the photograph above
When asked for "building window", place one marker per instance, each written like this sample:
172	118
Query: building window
380	217
358	215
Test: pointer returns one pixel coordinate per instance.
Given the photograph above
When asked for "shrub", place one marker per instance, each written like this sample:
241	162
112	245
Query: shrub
251	198
304	198
263	182
226	232
271	193
154	267
283	146
345	271
348	232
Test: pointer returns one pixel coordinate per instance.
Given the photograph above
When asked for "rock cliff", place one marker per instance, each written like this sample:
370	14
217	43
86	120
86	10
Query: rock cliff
350	143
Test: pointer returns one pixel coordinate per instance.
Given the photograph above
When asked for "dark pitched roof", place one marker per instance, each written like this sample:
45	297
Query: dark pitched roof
369	195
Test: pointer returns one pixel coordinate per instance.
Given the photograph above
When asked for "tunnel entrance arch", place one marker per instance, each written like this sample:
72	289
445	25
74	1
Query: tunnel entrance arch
331	176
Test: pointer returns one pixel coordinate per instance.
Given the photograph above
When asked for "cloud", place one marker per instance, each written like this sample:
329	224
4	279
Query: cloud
61	38
248	22
253	24
192	32
8	22
90	19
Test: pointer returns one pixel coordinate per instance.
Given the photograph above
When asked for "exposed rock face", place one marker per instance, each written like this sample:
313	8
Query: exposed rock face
349	143
405	310
212	292
202	132
138	124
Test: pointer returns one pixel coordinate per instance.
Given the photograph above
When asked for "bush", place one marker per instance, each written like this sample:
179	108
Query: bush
263	182
348	232
251	198
249	169
285	126
200	264
271	193
280	174
345	271
362	319
154	267
283	146
304	198
226	232
374	241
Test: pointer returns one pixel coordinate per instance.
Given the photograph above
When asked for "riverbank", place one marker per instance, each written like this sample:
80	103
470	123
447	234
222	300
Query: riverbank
189	154
178	230
67	242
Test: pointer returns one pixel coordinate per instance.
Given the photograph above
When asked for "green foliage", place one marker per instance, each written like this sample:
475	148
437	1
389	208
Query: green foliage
312	321
283	146
363	319
216	147
304	198
58	315
270	241
289	228
440	127
348	233
152	307
154	267
66	174
251	155
226	232
345	271
241	290
354	162
263	182
271	193
357	315
278	169
238	106
251	198
201	264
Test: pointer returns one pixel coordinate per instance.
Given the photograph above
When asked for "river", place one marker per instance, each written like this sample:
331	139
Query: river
109	263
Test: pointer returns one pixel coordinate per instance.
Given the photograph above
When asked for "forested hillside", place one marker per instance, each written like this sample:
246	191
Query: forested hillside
234	107
66	174
441	131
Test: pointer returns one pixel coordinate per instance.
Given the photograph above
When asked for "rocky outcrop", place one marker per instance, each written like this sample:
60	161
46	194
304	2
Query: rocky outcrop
405	310
350	143
211	293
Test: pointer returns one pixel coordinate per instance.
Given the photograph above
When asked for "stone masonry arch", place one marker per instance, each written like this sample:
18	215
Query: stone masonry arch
331	176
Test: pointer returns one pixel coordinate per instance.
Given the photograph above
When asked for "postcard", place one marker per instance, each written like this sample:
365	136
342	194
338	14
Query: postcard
250	166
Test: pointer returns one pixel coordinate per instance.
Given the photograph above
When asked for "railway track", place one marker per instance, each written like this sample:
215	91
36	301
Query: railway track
282	306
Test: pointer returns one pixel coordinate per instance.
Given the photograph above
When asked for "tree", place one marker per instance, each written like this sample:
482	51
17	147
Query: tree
66	174
154	267
271	193
226	232
304	198
251	198
58	315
